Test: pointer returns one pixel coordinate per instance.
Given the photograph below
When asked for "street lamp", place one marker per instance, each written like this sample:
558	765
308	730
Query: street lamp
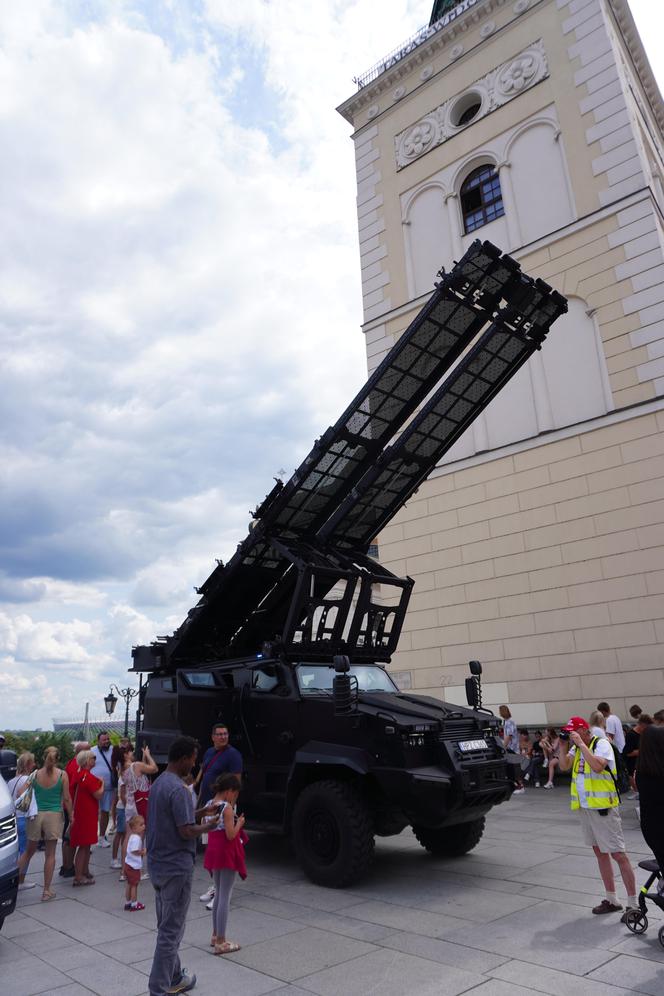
110	701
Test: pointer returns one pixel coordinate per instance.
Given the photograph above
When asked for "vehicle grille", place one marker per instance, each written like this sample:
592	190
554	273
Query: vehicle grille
8	832
459	729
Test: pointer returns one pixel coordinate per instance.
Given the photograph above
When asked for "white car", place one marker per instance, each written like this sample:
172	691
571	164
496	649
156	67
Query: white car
8	853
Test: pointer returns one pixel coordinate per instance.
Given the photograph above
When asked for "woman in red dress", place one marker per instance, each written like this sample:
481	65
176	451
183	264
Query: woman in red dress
86	791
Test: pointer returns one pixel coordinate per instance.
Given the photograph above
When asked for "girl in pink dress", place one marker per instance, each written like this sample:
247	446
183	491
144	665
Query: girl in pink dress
224	857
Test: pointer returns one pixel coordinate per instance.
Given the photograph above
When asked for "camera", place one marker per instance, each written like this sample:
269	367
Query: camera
564	734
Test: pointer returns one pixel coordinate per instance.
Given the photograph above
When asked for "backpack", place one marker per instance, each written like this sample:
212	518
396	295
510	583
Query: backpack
622	781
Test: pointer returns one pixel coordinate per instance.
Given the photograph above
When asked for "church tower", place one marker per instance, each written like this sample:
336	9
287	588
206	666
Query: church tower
537	546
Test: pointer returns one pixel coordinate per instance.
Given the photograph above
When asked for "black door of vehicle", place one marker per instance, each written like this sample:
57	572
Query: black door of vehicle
269	707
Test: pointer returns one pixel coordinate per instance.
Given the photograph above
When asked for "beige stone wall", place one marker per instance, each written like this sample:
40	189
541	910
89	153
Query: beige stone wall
546	565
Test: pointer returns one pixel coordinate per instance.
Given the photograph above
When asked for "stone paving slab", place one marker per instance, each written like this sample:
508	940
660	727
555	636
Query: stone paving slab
553	982
636	974
511	918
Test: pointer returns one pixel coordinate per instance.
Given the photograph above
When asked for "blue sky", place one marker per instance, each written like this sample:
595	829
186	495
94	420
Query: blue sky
179	303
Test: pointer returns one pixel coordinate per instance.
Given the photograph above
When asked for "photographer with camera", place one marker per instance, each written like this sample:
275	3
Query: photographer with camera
595	796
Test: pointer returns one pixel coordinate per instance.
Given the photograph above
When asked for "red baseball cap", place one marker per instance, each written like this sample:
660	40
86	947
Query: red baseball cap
576	723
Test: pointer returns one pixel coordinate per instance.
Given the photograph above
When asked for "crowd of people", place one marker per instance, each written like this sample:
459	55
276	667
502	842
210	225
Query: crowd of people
105	790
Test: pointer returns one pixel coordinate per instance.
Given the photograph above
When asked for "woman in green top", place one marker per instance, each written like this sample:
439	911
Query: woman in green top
51	790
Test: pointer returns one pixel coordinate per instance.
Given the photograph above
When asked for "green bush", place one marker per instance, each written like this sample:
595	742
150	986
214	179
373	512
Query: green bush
38	742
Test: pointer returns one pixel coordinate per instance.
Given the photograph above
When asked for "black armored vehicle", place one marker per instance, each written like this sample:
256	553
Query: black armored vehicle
289	640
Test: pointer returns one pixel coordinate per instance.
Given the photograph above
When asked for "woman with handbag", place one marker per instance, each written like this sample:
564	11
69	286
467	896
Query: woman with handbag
87	791
50	786
25	765
137	784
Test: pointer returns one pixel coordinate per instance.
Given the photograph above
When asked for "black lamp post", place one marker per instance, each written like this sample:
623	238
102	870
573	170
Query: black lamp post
110	701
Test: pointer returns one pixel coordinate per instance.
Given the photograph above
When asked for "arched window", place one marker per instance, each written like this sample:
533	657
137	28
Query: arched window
481	199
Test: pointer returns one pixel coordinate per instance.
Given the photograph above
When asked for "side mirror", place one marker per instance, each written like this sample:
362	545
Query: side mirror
473	694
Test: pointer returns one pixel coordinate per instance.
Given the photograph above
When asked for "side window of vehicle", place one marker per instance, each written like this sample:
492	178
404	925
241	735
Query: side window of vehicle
265	679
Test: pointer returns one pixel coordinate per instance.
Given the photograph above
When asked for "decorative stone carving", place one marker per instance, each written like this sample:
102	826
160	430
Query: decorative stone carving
426	73
399	93
498	87
420	138
456	51
373	111
487	29
520	6
517	75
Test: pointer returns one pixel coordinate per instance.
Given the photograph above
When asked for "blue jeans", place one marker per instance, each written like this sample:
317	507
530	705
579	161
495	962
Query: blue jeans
22	838
172	897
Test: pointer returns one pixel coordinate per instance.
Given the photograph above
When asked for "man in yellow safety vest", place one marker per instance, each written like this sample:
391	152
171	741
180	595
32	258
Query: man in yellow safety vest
595	796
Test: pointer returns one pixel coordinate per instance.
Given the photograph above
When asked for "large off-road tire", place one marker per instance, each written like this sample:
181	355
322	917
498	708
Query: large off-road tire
451	842
333	833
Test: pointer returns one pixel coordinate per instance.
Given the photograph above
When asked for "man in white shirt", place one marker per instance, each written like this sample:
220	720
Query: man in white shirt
104	770
614	726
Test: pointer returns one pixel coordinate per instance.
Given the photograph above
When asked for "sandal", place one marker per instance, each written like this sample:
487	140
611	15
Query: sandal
46	895
227	947
82	881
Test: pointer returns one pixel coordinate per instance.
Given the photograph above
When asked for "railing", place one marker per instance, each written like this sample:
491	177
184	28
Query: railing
412	43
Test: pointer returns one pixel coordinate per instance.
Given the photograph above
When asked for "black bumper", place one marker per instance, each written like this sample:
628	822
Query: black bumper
8	893
433	797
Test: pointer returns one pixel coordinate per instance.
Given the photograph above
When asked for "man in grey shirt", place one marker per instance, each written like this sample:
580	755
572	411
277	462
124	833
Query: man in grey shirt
171	845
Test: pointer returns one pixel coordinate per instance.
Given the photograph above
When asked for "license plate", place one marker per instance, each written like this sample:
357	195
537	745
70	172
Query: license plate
472	745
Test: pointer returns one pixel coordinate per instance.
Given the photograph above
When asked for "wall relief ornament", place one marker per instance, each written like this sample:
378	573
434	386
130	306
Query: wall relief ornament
498	87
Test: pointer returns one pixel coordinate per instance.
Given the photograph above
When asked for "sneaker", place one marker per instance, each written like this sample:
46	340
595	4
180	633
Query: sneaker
122	879
186	983
606	907
116	863
630	909
549	785
207	896
103	842
545	764
210	905
135	907
67	872
537	785
27	885
526	777
518	791
127	906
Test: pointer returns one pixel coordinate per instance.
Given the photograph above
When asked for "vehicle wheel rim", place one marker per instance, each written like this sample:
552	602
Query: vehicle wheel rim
323	835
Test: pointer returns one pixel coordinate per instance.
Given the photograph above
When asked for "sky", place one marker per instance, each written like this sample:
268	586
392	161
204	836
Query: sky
180	303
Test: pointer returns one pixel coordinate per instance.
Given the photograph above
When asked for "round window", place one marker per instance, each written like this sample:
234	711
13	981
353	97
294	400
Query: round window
466	109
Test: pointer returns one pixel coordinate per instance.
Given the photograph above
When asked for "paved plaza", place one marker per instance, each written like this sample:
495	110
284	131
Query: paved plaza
511	918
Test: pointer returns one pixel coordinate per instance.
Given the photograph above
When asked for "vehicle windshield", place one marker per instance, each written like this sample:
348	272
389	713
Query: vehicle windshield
316	679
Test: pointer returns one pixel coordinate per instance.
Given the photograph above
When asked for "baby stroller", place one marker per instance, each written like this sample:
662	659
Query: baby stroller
637	920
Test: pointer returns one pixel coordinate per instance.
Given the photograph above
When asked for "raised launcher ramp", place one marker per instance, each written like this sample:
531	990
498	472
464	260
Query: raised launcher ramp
301	580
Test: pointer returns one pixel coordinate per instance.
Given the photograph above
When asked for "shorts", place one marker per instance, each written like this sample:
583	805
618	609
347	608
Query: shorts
106	801
22	834
603	832
47	825
120	821
133	875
